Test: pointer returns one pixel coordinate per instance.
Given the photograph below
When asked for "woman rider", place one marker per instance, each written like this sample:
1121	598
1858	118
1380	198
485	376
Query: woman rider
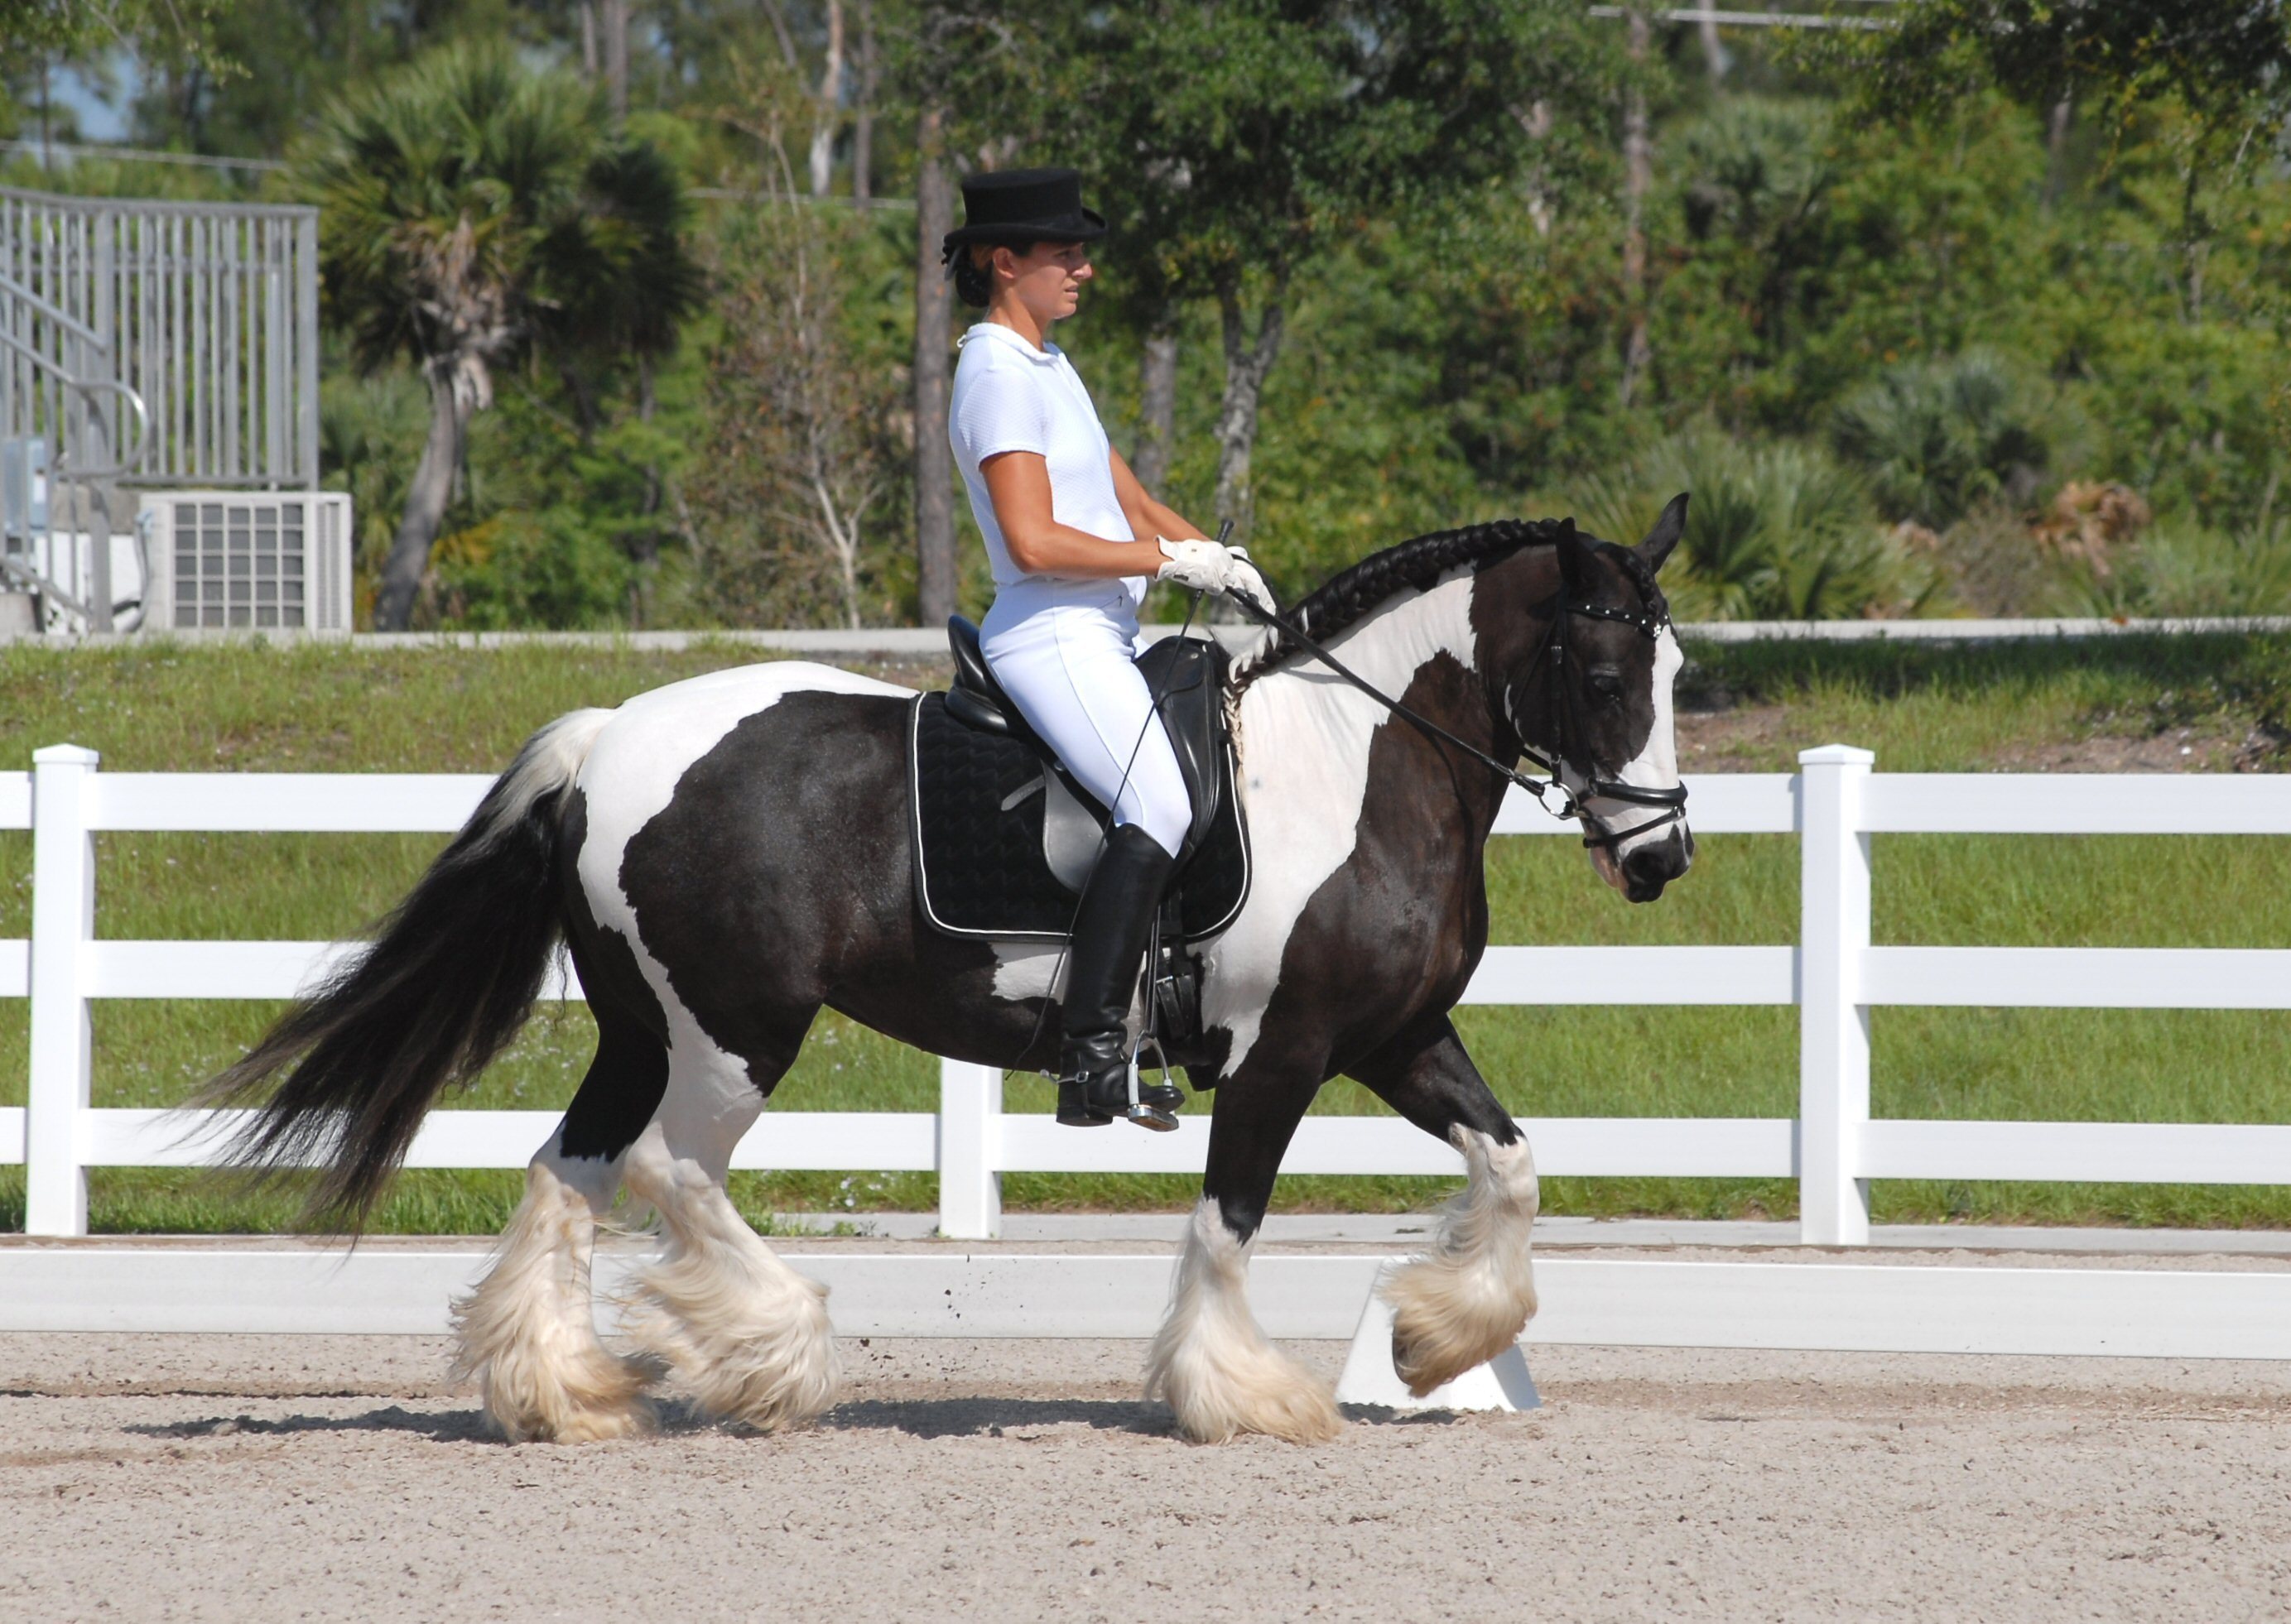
1074	540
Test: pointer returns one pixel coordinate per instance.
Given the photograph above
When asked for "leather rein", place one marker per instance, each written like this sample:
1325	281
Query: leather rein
1650	623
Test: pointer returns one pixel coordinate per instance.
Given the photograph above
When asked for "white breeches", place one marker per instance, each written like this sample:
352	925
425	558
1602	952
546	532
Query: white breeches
1067	667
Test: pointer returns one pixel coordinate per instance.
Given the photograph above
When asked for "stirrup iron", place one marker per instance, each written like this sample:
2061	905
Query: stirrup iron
1156	1107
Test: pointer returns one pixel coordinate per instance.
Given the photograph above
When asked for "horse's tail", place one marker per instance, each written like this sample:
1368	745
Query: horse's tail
450	978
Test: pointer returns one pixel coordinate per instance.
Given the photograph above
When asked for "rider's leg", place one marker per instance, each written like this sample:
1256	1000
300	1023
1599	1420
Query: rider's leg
1112	928
1069	671
1468	1297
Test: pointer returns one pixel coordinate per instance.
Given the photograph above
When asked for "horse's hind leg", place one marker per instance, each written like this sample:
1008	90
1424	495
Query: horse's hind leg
528	1333
1470	1296
1209	1361
745	1335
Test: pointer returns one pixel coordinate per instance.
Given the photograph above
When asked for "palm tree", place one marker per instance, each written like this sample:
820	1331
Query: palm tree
471	208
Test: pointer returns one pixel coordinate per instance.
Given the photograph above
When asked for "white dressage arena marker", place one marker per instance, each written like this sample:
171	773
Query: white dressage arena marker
1502	1383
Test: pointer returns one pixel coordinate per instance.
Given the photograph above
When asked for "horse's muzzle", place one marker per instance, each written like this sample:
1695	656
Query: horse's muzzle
1654	865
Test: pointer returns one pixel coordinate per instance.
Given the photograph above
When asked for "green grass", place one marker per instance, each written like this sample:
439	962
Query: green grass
321	709
1927	707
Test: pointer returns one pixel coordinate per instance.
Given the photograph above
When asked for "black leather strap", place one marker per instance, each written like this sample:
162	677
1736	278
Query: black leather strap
1555	646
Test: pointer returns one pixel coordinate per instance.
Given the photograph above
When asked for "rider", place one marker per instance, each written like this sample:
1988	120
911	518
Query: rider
1066	523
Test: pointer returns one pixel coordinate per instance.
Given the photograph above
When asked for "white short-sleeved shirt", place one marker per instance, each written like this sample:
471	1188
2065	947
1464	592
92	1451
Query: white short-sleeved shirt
1009	396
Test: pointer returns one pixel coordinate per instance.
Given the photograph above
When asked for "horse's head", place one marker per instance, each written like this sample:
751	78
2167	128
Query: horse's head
1588	685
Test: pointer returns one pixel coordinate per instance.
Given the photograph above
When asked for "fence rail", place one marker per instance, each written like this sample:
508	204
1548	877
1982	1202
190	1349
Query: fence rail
1834	974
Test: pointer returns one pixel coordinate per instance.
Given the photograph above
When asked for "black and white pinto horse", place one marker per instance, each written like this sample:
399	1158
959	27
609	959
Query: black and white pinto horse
724	856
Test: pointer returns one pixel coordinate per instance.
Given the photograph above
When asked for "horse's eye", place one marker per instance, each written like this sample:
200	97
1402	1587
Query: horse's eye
1606	684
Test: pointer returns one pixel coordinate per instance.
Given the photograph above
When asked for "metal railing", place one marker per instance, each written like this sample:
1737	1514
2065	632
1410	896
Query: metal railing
64	411
206	312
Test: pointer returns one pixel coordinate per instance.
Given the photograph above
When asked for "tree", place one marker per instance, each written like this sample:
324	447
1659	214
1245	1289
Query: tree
2224	64
800	462
1235	141
270	62
1759	177
39	36
65	31
1638	181
471	209
934	373
972	78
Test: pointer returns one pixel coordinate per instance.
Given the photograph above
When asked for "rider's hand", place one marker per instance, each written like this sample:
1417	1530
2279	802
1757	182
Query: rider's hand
1204	566
1249	581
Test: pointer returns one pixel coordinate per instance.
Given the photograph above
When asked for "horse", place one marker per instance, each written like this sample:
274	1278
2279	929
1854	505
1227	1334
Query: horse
725	856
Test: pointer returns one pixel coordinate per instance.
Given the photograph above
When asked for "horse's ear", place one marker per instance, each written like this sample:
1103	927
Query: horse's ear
1577	568
1665	534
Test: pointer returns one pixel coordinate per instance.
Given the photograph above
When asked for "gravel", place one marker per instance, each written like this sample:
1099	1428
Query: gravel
283	1477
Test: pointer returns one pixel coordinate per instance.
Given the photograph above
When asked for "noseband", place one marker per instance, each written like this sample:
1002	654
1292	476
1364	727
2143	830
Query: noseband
1650	622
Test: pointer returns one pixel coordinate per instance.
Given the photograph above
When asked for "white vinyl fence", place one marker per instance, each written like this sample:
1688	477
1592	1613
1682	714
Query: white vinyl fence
1833	1147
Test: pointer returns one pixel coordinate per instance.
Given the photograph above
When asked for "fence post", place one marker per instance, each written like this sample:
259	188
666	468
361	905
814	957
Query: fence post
63	922
1833	1022
969	1135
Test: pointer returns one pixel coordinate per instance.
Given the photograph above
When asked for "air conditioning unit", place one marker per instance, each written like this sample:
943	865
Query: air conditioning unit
257	560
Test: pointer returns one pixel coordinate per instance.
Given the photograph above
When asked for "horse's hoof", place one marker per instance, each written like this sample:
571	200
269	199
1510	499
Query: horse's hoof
597	1424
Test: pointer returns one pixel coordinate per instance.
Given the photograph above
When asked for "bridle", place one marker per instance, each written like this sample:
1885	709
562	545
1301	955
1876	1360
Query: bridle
1551	658
1650	623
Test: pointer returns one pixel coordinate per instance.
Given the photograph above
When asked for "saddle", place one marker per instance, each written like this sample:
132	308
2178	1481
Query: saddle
1005	838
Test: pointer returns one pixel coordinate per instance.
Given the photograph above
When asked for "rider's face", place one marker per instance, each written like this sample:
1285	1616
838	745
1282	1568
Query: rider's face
1047	277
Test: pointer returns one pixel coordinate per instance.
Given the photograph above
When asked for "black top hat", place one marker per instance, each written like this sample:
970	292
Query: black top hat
1023	205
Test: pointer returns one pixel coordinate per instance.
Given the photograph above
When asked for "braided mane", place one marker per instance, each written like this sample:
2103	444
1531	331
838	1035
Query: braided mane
1353	595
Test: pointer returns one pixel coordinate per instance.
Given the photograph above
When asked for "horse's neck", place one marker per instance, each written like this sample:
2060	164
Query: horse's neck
1306	732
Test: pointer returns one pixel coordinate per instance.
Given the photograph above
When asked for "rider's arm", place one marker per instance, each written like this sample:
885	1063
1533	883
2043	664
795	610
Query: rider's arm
1018	483
1148	517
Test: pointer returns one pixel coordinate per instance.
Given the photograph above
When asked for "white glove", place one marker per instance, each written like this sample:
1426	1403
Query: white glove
1204	566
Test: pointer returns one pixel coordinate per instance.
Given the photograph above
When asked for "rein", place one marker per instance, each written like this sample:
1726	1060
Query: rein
1555	644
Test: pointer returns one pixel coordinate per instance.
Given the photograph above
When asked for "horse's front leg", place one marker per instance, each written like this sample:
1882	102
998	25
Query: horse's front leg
1209	1361
1471	1295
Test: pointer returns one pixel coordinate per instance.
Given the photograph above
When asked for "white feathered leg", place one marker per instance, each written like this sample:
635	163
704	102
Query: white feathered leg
1469	1298
1212	1365
745	1335
528	1333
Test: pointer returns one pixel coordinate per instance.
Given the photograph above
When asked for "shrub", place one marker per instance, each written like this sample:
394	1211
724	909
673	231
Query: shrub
2186	568
1936	437
1779	531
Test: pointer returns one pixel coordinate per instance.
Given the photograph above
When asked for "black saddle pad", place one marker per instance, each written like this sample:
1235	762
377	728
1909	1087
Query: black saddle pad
979	865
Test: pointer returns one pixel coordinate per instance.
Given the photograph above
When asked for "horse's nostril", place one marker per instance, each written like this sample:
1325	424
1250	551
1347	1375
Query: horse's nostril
1656	864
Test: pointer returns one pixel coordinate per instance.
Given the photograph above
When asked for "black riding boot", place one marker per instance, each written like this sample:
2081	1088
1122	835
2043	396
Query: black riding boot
1111	929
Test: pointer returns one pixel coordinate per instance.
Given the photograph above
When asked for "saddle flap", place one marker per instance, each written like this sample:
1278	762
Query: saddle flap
1073	832
1189	674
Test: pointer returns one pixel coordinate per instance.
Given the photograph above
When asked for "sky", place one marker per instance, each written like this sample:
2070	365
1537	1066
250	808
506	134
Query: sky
98	120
